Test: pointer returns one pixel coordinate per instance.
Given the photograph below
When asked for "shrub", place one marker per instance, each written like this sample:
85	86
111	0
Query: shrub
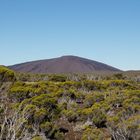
46	127
93	134
70	115
57	78
37	138
6	74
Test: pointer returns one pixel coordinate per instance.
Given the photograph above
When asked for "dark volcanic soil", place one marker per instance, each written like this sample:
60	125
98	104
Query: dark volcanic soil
64	64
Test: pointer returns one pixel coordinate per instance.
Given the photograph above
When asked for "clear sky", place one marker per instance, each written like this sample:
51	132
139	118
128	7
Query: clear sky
103	30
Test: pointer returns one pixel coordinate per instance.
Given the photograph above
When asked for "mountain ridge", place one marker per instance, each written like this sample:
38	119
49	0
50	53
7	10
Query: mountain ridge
63	64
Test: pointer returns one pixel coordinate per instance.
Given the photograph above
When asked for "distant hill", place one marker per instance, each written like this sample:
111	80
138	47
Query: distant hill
64	64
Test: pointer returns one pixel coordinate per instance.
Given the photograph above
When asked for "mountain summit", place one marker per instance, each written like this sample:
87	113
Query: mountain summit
64	64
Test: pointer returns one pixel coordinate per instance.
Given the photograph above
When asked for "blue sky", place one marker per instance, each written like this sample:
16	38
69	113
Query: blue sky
103	30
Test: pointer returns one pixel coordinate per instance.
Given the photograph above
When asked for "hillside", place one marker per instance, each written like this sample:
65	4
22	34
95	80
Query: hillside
64	64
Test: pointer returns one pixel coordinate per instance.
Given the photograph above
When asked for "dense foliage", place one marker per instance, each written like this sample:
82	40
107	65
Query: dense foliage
6	74
72	107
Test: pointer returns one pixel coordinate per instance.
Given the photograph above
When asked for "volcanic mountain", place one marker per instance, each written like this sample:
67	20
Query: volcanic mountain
64	64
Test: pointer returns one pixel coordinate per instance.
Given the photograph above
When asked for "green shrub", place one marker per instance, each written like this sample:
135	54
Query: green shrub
57	78
59	136
93	134
46	126
37	138
70	115
6	74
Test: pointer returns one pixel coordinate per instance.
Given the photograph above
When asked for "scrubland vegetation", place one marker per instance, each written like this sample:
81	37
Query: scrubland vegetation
69	107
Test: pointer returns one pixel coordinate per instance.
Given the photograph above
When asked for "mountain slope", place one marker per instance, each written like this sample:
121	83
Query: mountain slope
64	64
